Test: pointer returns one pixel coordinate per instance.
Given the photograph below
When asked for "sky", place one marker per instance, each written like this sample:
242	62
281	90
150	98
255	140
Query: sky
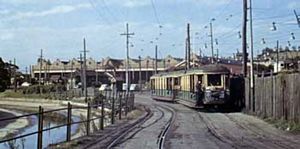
59	26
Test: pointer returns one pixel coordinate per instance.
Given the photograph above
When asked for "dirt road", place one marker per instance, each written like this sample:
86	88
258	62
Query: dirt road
195	129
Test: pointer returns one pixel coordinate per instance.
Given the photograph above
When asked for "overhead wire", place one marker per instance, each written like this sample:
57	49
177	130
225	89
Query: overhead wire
155	12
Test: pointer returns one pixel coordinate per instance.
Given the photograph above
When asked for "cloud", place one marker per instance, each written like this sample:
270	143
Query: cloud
135	3
6	36
128	3
55	10
212	2
141	3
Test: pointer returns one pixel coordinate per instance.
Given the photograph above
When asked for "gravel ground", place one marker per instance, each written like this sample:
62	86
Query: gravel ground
194	129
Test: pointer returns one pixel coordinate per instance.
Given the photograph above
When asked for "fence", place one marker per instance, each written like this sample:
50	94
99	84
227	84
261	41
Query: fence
119	103
276	96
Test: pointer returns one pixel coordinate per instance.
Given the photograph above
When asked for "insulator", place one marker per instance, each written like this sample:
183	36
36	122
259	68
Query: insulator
273	28
263	41
293	36
239	35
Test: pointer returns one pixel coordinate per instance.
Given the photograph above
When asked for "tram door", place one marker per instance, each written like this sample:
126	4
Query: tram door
200	78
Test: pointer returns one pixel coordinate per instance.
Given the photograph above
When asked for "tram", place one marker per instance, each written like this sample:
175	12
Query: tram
180	86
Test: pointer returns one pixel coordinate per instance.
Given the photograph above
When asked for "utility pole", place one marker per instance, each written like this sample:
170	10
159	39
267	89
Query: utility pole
156	59
84	70
15	75
147	66
81	73
26	72
297	17
277	55
188	47
45	72
30	74
96	73
186	55
211	42
127	34
244	38
140	73
217	56
252	82
72	75
40	74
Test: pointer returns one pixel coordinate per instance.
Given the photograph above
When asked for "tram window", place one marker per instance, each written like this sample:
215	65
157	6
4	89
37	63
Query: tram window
169	83
192	83
214	79
176	81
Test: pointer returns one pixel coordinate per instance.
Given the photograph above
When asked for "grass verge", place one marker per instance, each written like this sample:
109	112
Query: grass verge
284	125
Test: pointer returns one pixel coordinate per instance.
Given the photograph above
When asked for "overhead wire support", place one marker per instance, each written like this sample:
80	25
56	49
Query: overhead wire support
188	47
211	42
40	74
84	70
127	34
244	38
252	82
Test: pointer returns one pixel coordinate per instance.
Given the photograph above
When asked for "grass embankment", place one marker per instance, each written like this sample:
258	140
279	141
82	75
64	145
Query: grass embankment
284	125
19	94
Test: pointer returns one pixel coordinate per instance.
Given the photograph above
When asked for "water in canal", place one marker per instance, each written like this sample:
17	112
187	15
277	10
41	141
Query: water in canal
49	137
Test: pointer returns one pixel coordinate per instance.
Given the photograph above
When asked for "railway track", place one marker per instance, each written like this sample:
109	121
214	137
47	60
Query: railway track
140	128
163	134
273	140
215	132
247	138
133	130
114	139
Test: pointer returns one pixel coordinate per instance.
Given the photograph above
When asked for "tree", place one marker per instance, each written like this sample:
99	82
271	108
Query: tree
4	77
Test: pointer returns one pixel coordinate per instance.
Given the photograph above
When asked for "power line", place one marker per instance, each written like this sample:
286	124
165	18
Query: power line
155	12
223	10
109	10
99	14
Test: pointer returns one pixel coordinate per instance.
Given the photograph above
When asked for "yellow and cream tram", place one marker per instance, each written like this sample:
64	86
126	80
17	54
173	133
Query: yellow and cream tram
180	86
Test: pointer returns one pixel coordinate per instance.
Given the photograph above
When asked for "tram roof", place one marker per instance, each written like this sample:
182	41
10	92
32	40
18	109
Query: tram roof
205	69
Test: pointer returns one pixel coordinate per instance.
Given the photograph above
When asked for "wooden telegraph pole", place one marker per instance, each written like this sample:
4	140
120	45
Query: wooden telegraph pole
188	47
156	47
244	38
40	74
127	34
84	70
